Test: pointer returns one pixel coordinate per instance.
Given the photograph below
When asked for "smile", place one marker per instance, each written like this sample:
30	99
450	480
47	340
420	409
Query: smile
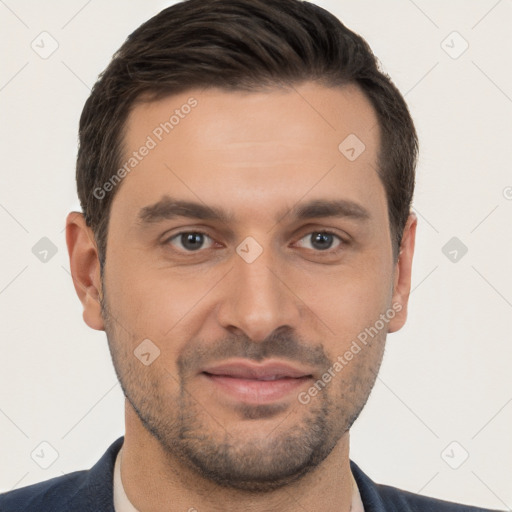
252	383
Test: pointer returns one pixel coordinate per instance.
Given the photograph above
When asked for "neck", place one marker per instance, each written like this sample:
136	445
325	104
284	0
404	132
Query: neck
153	479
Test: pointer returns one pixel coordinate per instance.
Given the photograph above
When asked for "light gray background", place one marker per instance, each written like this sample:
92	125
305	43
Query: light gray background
446	376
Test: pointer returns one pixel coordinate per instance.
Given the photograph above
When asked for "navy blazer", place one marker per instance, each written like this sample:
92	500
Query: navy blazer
92	491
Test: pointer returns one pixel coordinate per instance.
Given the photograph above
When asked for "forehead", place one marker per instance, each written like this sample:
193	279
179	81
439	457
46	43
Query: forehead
250	152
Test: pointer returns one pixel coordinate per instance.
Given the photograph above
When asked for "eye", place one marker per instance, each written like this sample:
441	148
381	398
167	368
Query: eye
320	241
191	241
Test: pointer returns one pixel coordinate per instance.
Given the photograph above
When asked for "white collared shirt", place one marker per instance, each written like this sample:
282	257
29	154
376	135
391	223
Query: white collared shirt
123	504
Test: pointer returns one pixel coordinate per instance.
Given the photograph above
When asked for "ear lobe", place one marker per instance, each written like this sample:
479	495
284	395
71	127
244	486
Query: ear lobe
403	270
85	268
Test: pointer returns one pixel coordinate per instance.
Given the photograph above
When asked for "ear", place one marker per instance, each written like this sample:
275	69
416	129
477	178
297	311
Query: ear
85	268
402	279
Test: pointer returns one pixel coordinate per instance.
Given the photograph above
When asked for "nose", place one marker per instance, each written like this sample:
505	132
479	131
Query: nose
257	299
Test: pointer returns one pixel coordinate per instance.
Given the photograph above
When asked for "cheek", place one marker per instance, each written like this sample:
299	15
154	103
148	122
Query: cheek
156	303
348	300
356	307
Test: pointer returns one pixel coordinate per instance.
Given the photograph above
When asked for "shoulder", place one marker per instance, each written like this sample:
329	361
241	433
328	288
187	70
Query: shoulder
52	494
407	501
89	490
383	498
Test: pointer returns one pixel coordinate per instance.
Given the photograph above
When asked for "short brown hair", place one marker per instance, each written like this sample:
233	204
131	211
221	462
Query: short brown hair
238	45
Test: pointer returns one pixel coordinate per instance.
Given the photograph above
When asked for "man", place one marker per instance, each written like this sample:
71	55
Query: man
246	175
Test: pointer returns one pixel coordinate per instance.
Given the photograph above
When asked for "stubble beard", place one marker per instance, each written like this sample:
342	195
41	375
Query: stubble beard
192	436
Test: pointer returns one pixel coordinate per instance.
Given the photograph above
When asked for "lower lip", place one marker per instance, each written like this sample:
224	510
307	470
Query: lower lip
256	391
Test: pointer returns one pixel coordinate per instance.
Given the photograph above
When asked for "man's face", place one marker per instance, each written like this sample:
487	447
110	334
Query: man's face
252	252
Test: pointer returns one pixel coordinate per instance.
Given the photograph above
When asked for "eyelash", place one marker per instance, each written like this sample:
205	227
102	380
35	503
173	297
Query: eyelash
341	241
181	233
330	250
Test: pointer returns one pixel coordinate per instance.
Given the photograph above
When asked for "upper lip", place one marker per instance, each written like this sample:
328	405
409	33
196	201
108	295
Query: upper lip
244	369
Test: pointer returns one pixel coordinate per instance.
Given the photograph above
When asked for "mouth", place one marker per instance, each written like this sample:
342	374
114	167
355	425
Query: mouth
253	383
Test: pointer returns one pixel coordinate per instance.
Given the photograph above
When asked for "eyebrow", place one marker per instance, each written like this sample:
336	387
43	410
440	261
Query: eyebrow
330	208
169	208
